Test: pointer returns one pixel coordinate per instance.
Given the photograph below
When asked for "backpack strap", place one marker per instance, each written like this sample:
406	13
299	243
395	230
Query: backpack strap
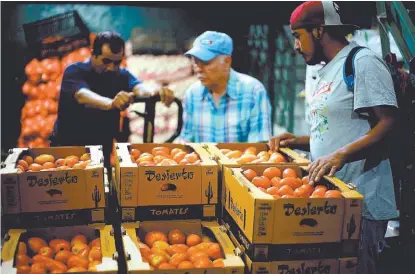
348	68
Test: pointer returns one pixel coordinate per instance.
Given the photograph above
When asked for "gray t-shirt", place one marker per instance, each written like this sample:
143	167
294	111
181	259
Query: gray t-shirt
339	117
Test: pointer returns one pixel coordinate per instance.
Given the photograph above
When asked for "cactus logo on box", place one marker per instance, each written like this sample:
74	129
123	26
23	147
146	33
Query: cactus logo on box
96	196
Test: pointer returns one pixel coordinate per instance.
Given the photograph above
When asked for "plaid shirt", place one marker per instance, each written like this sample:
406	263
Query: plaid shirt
243	115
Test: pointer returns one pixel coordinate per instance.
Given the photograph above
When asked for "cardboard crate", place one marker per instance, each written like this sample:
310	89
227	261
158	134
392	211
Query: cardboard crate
289	228
326	266
47	198
135	264
216	154
192	191
104	232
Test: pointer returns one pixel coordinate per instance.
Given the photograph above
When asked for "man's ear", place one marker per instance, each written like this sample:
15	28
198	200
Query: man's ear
317	33
228	60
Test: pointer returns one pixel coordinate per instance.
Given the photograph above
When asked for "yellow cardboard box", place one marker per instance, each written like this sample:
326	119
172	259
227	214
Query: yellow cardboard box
233	264
321	266
214	150
75	196
109	255
264	220
192	190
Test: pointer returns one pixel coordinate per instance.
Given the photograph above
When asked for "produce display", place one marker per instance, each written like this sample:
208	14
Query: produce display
162	156
286	184
176	250
47	162
251	156
59	255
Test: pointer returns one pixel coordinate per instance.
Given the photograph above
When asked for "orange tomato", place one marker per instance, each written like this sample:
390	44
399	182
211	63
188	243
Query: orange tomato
321	187
28	159
175	236
272	172
95	242
22	248
23	269
24	164
276	181
46	251
250	150
78	165
59	244
177	248
291	182
40	259
318	193
84	252
177	258
92	266
79	239
156	260
135	153
78	247
43	158
250	174
185	265
35	167
305	180
163	154
85	157
157	149
63	256
60	162
175	151
146	163
49	165
301	193
77	269
38	268
308	188
191	157
272	190
56	267
206	239
287	196
285	190
261	181
333	194
215	251
276	158
35	244
166	266
289	172
193	239
203	262
203	246
192	250
75	261
246	158
218	263
154	236
276	197
197	255
234	154
23	259
162	245
70	161
179	156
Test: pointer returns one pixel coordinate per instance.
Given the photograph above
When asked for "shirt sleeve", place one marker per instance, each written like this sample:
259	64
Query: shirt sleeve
373	85
187	134
131	80
260	119
72	81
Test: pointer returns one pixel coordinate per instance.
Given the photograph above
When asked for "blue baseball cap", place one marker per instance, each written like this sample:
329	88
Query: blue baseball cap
211	44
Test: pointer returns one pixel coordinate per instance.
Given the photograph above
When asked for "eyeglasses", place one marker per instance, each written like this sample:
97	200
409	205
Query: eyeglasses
107	61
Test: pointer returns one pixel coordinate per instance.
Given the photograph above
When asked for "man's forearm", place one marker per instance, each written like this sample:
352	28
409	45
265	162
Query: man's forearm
302	143
91	99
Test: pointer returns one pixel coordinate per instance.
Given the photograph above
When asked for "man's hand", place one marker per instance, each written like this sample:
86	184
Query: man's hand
166	95
320	167
122	100
283	140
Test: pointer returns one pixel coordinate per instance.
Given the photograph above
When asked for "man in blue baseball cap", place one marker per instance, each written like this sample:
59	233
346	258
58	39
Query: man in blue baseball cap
224	105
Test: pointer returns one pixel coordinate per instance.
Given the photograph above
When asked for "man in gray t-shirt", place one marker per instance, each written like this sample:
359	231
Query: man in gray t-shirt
347	128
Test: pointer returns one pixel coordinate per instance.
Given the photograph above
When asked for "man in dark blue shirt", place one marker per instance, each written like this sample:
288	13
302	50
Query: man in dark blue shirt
94	92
